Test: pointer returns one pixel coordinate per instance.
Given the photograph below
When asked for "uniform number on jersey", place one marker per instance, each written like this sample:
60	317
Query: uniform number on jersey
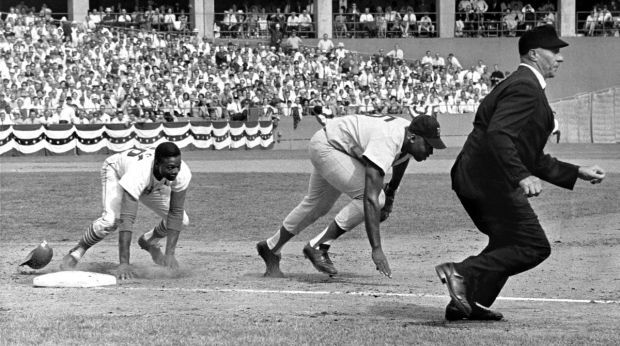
136	152
385	117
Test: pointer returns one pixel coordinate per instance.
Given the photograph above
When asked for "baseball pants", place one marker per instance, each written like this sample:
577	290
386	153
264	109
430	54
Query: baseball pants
334	173
517	243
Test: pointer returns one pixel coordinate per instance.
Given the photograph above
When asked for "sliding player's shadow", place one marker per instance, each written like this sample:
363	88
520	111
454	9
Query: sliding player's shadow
141	271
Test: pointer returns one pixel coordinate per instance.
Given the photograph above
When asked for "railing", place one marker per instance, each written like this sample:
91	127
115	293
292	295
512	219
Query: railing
496	24
384	25
587	24
169	21
140	24
256	24
220	113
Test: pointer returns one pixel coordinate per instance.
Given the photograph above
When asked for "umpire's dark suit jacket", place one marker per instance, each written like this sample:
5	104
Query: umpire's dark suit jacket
511	128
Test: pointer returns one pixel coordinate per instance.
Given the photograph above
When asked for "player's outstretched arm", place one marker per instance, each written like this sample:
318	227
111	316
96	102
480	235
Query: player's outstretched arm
129	209
372	211
174	224
390	188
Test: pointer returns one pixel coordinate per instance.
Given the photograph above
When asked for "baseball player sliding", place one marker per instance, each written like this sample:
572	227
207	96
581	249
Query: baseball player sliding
351	155
159	179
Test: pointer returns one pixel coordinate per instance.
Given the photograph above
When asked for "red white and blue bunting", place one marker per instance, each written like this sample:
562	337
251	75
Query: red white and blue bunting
108	138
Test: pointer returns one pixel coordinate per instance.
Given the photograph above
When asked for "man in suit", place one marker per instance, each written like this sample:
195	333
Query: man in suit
502	164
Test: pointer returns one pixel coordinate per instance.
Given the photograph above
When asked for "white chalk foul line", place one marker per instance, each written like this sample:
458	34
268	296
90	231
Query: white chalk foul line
352	293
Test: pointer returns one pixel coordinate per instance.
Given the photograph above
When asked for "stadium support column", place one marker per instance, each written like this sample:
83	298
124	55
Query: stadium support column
202	13
446	13
566	17
323	17
78	9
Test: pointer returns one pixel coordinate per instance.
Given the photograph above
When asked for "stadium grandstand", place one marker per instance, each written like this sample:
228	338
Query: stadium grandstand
101	62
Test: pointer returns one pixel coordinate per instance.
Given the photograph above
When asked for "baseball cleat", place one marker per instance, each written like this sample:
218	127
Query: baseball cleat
272	260
153	249
320	260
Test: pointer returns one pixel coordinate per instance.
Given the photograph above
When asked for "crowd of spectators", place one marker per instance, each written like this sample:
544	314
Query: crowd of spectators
163	18
602	20
382	23
476	18
348	22
115	75
255	22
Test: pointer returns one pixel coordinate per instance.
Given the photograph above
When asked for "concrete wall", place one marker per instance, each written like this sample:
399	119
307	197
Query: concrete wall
591	63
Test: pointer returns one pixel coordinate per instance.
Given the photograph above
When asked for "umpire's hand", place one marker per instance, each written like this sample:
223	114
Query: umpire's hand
532	186
593	174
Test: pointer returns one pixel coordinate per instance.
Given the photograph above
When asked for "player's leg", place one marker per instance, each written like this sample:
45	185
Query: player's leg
112	194
318	201
347	175
159	202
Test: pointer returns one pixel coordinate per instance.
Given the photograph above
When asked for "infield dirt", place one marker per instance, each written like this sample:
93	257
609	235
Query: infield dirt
220	297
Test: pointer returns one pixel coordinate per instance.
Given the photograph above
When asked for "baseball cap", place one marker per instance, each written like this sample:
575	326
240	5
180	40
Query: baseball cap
543	36
427	127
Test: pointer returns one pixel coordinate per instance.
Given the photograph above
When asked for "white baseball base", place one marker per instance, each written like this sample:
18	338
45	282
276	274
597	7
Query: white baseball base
73	279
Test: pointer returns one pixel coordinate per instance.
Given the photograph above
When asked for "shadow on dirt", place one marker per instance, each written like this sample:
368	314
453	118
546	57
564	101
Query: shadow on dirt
24	275
419	315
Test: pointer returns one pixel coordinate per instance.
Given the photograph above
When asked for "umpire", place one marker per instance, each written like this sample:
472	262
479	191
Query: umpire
500	166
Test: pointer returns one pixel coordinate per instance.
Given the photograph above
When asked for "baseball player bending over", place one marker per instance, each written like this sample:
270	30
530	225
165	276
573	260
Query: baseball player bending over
157	178
351	155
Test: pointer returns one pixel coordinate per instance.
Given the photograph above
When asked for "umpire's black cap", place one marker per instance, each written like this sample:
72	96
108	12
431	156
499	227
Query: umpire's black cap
427	127
543	36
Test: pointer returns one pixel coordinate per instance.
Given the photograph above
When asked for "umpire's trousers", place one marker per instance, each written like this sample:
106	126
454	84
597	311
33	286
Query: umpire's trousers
517	242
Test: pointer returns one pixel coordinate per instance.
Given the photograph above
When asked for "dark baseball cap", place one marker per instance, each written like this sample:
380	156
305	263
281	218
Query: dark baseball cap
427	127
543	36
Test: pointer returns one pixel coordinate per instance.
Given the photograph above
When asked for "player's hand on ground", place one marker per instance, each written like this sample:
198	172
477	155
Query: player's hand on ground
593	174
125	272
170	262
532	186
381	262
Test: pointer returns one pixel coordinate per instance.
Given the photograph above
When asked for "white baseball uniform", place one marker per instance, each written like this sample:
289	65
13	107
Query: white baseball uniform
132	171
336	170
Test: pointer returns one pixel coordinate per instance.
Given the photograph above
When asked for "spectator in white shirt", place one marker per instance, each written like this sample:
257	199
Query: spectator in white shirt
325	45
409	23
305	22
396	53
453	61
292	22
427	58
67	113
367	22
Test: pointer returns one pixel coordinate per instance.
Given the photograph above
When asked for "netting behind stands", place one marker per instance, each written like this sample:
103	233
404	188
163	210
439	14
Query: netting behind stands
590	118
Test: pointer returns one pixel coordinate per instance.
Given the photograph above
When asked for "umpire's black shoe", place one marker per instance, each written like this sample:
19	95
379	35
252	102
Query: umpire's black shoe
320	260
325	250
272	260
456	287
478	313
